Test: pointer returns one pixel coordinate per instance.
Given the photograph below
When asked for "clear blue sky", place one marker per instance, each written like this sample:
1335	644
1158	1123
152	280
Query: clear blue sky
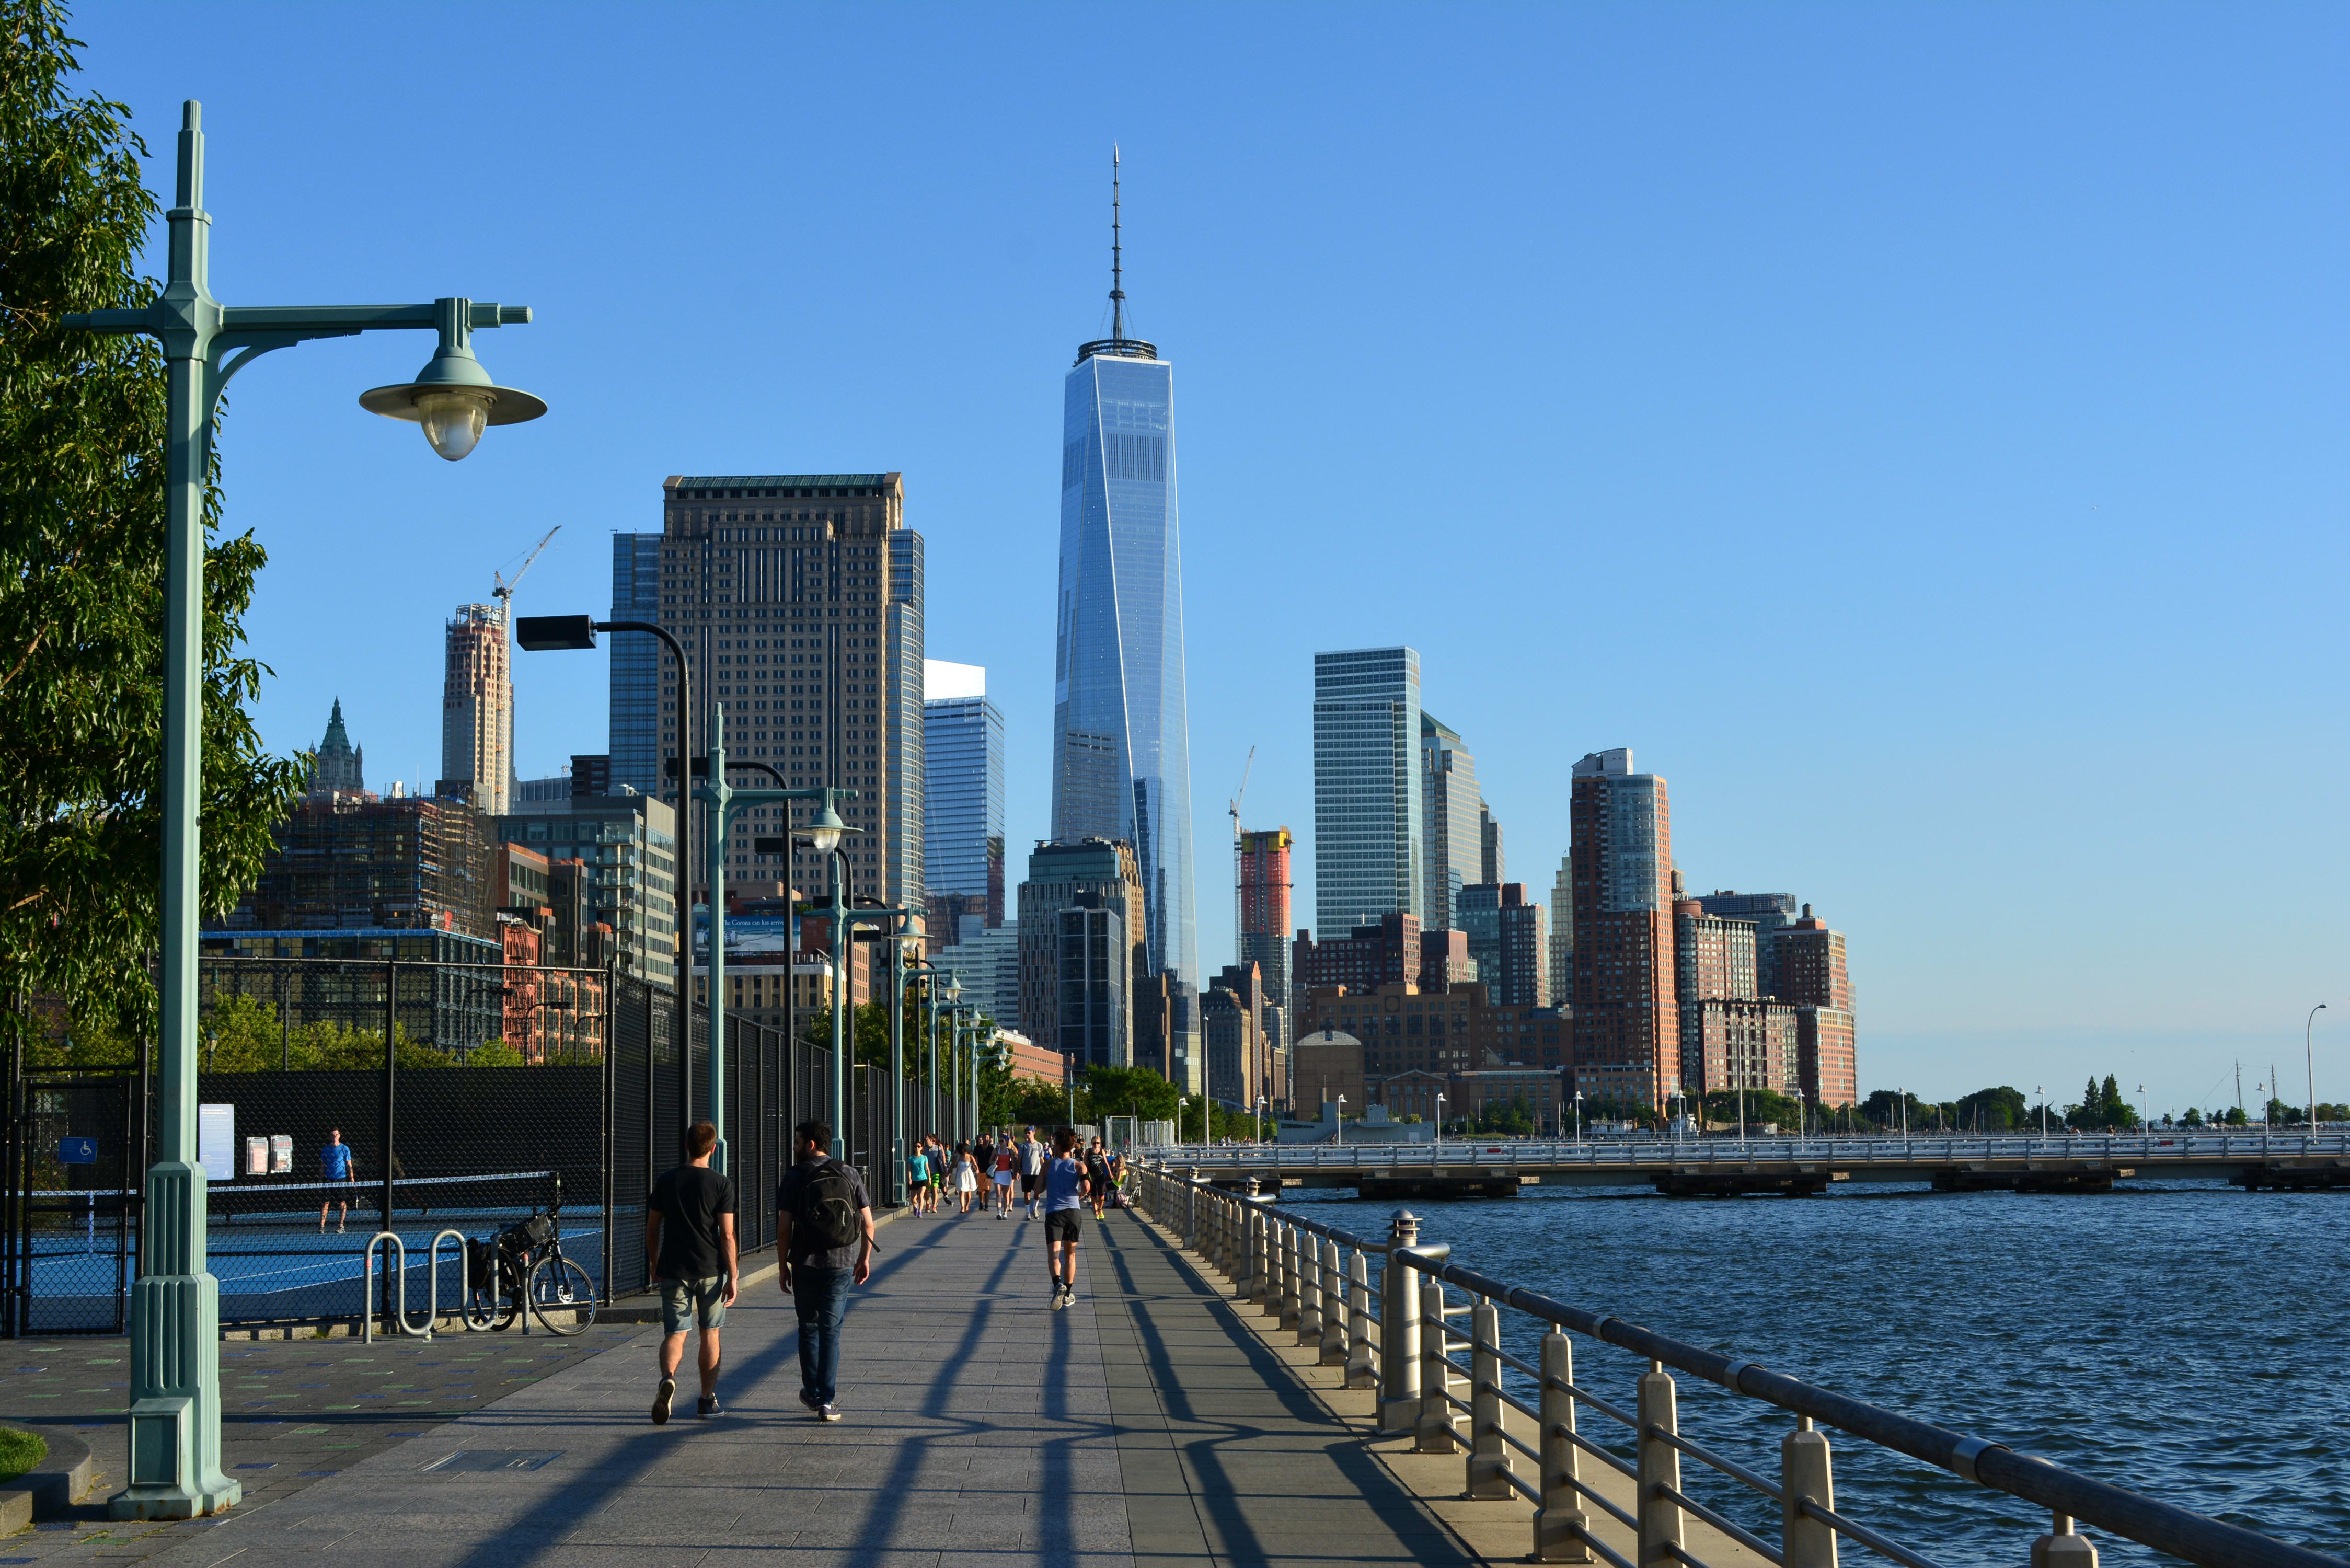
1918	429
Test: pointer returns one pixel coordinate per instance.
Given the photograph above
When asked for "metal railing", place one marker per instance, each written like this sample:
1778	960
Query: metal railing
1316	1278
2183	1146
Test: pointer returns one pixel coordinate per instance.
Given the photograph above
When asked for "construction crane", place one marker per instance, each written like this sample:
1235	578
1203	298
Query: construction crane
1239	903
505	591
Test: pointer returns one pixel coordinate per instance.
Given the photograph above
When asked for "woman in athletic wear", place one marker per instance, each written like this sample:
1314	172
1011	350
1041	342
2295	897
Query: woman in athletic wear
1097	1176
1065	1214
966	1177
918	1178
1004	1181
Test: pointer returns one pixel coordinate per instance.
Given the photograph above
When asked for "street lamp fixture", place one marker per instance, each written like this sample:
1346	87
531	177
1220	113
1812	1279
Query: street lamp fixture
174	1437
2309	1050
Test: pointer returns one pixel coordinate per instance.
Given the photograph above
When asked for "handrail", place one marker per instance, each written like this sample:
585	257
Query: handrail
1249	1235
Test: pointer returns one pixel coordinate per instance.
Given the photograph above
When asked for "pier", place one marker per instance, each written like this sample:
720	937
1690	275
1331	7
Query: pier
1797	1167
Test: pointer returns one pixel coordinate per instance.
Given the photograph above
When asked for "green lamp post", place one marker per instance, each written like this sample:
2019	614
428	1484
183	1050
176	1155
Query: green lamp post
174	1448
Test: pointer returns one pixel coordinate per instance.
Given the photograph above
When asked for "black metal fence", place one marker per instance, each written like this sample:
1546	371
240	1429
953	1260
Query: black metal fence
441	1134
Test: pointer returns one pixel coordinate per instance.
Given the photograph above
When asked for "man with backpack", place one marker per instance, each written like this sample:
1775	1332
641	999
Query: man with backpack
690	1236
824	1242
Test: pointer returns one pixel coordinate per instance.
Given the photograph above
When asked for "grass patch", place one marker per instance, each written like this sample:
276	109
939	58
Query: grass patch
20	1452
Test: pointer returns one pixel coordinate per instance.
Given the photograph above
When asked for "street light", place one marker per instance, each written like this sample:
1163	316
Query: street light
2310	1051
1440	1121
1338	1139
174	1439
1578	1115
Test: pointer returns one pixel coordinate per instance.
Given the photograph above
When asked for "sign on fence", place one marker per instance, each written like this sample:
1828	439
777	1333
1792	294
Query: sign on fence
77	1151
216	1141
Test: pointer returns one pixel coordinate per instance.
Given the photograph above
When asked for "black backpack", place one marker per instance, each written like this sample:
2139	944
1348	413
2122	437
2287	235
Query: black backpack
827	1215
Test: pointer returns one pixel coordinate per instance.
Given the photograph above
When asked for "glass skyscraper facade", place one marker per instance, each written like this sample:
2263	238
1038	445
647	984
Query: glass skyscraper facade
1368	807
1121	752
1452	831
962	815
635	739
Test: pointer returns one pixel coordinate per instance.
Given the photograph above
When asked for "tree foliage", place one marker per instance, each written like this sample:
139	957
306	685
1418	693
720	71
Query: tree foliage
81	569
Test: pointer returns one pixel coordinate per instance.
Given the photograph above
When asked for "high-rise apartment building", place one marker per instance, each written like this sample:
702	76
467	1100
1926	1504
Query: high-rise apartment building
963	803
1626	1017
799	597
1368	817
1264	880
1508	939
1452	827
1121	746
1813	978
1742	1043
1083	943
1769	914
1493	865
629	844
342	767
1562	932
477	710
1714	961
1231	1025
1385	952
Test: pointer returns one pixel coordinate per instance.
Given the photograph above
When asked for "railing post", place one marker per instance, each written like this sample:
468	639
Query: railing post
1192	1207
1294	1287
1399	1331
1661	1467
1559	1521
1489	1457
1362	1367
1309	1290
1804	1474
1332	1298
1433	1432
2062	1547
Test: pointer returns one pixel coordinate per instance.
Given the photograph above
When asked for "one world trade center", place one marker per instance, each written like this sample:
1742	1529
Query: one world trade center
1121	757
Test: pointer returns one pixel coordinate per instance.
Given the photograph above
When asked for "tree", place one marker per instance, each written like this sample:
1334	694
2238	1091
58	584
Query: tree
82	490
1126	1092
1991	1111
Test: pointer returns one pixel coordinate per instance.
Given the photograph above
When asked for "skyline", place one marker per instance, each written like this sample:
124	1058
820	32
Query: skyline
1987	451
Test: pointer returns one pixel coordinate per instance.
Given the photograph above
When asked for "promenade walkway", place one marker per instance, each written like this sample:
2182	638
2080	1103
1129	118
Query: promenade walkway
1146	1425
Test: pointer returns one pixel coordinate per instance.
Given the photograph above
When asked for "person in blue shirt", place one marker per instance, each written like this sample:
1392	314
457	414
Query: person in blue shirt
1064	1215
918	1179
335	1165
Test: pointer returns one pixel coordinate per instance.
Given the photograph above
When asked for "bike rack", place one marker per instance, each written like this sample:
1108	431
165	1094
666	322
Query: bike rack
431	1285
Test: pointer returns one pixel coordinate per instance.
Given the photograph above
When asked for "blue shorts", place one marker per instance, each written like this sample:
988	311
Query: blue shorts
685	1301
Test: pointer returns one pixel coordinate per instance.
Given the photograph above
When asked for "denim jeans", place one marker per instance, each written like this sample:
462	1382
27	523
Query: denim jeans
820	1296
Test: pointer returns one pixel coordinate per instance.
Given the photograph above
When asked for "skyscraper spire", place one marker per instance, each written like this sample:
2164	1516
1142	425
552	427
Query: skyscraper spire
1116	256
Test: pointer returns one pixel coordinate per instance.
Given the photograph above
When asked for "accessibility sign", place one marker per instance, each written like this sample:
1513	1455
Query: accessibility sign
77	1151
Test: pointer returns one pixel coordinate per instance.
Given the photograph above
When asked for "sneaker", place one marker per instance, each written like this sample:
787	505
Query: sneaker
706	1406
662	1397
827	1412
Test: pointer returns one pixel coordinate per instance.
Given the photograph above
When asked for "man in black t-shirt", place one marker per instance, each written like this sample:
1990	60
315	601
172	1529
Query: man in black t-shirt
690	1235
824	1242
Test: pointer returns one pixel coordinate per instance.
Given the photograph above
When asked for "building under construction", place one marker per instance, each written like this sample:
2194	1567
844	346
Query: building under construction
343	864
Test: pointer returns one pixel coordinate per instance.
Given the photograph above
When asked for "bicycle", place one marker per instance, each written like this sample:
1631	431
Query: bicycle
523	1267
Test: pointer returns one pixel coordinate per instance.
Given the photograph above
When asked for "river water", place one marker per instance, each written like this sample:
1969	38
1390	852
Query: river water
2185	1339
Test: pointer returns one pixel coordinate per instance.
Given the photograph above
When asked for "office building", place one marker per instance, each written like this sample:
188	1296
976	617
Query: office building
986	964
1562	932
1492	865
477	710
1082	945
591	772
1473	1095
963	803
1444	960
341	863
1368	817
1507	938
799	600
1121	747
627	844
1324	1066
1769	914
1232	1027
1452	819
342	767
1626	1017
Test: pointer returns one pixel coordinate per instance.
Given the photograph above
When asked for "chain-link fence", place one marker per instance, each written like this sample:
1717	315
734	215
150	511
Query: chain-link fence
343	1097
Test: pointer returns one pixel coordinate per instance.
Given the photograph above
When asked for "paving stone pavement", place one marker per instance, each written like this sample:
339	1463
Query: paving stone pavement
1142	1426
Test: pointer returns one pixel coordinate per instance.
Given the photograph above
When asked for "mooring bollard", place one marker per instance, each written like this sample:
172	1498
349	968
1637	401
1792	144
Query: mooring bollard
1433	1433
1333	1305
1489	1457
1362	1365
1560	1522
1399	1331
1804	1474
1661	1466
2062	1547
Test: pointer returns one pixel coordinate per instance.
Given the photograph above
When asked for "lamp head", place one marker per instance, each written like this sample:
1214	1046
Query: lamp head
453	397
824	828
555	633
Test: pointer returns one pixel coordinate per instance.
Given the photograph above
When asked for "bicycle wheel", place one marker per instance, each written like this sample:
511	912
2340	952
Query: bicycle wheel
494	1303
559	1289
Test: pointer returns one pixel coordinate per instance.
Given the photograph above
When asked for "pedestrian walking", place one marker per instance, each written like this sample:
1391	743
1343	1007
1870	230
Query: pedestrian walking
335	1165
1032	1171
824	1242
1097	1177
918	1177
966	1177
1003	1162
1065	1214
689	1234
